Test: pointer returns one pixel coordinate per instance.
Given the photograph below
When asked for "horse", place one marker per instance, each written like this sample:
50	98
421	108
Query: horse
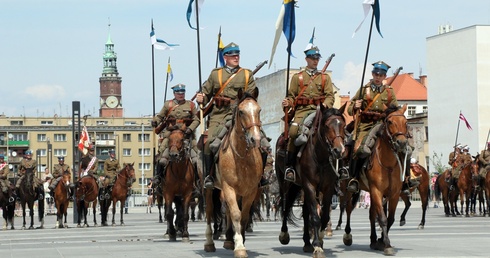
487	190
28	195
423	189
8	209
158	198
317	176
465	186
87	190
124	179
61	199
449	197
383	178
237	175
179	182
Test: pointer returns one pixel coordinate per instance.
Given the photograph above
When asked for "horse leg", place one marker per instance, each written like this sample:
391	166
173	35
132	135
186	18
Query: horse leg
94	211
169	216
288	199
407	202
114	202
31	214
393	202
376	212
342	204
122	201
24	214
424	198
185	229
350	200
209	243
234	221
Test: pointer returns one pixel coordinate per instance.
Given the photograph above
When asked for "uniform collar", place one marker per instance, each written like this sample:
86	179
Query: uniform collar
232	70
310	71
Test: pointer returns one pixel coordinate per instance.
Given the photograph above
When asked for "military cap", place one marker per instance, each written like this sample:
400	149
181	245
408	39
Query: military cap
459	146
231	49
28	152
413	160
1	156
313	52
112	152
61	158
91	147
466	148
179	88
380	67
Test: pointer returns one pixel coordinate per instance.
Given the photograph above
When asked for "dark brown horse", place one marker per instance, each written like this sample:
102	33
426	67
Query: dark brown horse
317	173
478	187
383	178
124	179
8	208
487	190
87	190
61	199
449	197
239	171
28	195
179	182
423	189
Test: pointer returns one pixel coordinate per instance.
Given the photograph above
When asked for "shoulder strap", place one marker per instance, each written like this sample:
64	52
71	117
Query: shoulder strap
324	80
246	79
220	76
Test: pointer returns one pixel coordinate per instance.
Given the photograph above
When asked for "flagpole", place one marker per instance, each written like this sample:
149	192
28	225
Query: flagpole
485	146
217	47
166	83
153	97
286	112
456	140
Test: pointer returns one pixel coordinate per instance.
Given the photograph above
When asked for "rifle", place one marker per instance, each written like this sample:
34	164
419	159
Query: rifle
358	112
210	105
327	63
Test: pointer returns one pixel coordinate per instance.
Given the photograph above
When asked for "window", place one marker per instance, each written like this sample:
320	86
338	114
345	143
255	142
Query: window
102	122
126	152
126	137
130	123
427	134
146	152
16	122
46	122
59	152
145	181
146	137
41	137
19	137
60	137
424	109
41	152
411	110
105	136
146	166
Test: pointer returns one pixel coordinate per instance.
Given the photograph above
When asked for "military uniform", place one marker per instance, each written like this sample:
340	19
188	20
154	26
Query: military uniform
4	173
84	163
111	168
24	165
58	170
484	159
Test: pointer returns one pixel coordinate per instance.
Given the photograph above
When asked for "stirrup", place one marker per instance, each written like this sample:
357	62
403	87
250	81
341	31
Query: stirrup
40	197
353	186
263	182
11	199
290	174
344	173
208	182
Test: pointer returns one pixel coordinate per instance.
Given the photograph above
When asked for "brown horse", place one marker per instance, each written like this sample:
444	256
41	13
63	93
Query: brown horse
8	208
317	176
449	197
61	199
383	178
465	186
28	195
179	182
423	189
487	190
124	179
239	171
87	190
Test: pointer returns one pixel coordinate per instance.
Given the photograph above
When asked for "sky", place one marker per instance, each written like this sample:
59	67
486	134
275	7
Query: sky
51	51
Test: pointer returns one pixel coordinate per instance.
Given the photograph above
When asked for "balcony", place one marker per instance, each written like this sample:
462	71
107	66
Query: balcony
18	143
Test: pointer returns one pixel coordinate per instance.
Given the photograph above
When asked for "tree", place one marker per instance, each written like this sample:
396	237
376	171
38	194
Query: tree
437	163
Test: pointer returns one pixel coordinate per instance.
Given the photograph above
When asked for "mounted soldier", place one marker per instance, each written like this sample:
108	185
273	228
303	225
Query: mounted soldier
484	159
456	162
7	187
28	163
89	164
58	170
111	168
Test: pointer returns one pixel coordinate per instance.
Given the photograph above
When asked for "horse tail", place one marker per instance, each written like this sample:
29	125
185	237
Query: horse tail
218	216
10	211
40	210
437	189
287	210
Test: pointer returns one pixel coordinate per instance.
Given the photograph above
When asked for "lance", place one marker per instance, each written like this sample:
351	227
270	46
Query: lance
153	97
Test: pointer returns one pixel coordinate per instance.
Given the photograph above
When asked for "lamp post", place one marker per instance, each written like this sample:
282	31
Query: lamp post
142	158
49	158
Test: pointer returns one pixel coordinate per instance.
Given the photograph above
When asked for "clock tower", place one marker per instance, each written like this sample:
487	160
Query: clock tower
110	84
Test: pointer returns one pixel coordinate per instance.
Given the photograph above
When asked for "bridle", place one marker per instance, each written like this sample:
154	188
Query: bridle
127	174
245	127
182	150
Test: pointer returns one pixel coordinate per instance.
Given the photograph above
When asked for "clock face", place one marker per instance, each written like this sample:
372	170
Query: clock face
112	101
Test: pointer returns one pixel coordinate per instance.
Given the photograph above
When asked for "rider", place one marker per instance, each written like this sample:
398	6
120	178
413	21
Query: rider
484	159
174	114
25	163
308	88
5	184
222	88
89	164
456	163
58	171
111	168
376	98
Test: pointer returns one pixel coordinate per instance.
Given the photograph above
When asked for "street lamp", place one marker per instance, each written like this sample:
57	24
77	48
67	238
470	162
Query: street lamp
142	158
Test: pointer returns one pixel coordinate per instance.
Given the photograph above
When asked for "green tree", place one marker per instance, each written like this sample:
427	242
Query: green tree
437	163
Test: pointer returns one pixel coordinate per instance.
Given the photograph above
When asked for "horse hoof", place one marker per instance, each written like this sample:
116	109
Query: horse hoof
79	226
186	239
241	253
210	248
318	253
338	228
308	248
122	224
328	234
113	224
172	238
86	225
454	215
31	227
347	239
284	238
402	223
421	227
23	228
389	251
249	230
467	215
229	245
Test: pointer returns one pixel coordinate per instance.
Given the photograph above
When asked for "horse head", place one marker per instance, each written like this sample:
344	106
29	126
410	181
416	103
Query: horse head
66	178
332	131
128	172
395	124
247	117
176	144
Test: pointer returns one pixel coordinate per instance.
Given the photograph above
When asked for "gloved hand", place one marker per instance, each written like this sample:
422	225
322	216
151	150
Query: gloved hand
154	123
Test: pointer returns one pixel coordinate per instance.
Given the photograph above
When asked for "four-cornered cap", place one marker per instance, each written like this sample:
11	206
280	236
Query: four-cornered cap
28	152
380	67
60	158
112	152
179	88
313	52
231	49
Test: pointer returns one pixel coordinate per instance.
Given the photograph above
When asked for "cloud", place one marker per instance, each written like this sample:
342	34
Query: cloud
351	78
46	93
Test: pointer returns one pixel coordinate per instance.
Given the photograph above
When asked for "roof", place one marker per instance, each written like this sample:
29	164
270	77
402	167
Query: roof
408	88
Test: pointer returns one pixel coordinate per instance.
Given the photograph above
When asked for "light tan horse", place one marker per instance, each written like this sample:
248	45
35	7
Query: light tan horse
238	174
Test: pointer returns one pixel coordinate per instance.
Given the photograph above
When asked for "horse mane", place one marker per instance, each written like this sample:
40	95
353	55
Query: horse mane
392	108
244	97
331	112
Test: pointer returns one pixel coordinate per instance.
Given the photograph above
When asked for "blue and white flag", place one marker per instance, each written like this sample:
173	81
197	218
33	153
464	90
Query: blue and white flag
189	11
159	43
366	5
287	24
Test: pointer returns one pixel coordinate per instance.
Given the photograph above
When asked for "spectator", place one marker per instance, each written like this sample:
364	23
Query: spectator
150	195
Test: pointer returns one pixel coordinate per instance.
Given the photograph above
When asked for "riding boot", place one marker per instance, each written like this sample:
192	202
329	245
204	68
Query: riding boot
40	193
367	145
263	180
290	172
353	185
17	194
13	195
102	193
451	183
108	192
71	193
208	167
406	184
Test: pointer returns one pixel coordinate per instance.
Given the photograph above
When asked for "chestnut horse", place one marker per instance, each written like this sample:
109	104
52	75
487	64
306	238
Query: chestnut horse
28	196
87	190
124	179
449	197
465	186
423	189
179	182
383	178
61	199
239	171
317	173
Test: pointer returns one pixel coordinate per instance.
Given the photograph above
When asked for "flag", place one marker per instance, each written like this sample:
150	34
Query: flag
461	117
189	11
310	44
285	23
221	46
159	43
84	142
169	71
367	4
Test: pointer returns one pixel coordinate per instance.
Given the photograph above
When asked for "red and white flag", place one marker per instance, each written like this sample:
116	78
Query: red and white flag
461	116
84	142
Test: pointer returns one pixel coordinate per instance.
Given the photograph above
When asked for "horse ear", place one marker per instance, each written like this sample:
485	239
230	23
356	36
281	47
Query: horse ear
240	93
404	108
255	93
342	108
